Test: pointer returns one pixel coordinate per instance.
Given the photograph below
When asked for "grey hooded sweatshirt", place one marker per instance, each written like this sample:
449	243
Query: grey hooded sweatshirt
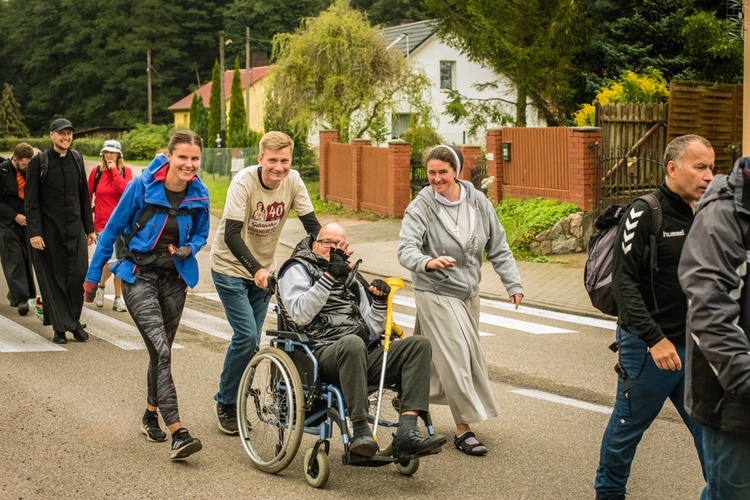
424	237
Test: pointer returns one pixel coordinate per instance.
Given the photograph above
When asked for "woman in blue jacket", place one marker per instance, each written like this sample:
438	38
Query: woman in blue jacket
163	217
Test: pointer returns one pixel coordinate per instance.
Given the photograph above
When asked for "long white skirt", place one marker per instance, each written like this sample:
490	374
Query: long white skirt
458	377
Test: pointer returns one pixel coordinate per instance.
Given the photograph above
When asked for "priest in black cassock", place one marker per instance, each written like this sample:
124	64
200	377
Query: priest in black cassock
61	226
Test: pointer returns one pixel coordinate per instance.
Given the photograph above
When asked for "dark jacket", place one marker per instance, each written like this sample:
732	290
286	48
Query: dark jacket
10	203
713	274
340	315
652	309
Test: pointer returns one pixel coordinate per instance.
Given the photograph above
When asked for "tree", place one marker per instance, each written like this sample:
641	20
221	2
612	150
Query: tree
713	53
337	72
391	12
237	126
11	119
266	19
214	106
531	43
199	117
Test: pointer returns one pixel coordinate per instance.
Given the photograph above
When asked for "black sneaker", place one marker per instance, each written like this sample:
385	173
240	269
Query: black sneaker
184	445
150	427
80	335
23	308
59	338
227	417
414	442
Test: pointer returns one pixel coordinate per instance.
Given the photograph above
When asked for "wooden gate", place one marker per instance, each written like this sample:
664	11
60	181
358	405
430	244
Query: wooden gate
629	160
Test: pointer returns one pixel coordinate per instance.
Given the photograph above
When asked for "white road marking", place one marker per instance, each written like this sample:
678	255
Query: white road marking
554	398
18	338
408	321
501	321
116	332
544	313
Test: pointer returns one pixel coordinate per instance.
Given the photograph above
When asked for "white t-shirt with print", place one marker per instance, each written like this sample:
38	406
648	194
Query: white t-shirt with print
264	212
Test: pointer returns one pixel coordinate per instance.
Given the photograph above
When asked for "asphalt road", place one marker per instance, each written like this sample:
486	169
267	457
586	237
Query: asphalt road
70	416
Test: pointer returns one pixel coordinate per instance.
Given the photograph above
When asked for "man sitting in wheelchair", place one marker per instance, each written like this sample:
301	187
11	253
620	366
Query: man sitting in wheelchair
322	296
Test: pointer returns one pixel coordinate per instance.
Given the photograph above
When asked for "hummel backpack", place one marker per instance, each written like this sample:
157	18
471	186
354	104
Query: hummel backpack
597	275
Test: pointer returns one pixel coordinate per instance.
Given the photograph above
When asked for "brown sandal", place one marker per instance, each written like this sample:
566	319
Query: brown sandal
476	450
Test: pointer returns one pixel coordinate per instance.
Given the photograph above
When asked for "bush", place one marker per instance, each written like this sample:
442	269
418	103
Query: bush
524	220
421	138
87	146
144	141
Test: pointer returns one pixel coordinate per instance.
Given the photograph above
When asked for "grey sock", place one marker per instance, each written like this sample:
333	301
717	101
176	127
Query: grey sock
361	428
405	424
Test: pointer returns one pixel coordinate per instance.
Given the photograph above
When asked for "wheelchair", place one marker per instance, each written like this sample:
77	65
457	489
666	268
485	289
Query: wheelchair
281	397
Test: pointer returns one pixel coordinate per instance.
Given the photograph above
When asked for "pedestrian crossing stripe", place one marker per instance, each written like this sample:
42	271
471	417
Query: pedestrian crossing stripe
116	332
18	338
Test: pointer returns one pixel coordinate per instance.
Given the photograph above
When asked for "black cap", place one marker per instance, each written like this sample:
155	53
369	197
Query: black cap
60	124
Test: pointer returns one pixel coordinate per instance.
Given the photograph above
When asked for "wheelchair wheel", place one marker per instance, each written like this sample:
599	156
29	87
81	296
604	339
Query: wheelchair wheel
388	421
409	468
270	413
317	476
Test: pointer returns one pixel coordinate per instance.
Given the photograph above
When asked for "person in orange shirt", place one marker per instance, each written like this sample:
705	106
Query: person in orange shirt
14	251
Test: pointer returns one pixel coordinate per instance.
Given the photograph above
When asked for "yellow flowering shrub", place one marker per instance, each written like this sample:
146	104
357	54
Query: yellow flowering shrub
649	86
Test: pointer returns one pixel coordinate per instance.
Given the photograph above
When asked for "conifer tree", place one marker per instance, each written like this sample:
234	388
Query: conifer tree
214	107
11	119
199	118
237	126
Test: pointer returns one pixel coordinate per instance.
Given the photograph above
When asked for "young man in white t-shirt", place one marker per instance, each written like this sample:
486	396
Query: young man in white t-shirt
242	255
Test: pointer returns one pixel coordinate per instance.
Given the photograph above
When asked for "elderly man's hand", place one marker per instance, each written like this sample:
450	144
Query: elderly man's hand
337	265
380	290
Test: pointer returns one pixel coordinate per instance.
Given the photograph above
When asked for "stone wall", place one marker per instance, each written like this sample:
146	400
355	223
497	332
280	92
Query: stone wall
570	235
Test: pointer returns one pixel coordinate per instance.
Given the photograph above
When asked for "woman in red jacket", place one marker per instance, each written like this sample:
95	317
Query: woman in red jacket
106	185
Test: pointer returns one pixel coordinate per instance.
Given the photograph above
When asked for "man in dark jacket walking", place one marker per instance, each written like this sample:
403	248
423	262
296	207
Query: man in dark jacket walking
713	274
14	251
58	214
651	312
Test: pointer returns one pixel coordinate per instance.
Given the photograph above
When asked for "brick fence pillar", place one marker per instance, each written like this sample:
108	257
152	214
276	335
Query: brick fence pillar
582	164
326	138
399	170
472	159
494	146
357	150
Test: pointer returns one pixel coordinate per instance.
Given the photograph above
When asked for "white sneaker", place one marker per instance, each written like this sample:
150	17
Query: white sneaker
99	299
119	305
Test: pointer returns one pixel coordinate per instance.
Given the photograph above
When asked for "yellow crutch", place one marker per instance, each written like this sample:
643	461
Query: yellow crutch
390	328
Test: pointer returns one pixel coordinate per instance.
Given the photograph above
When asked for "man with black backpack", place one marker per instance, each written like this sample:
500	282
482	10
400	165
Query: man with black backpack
651	311
58	213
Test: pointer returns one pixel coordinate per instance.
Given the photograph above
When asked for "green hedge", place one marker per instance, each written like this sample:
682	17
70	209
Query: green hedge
87	146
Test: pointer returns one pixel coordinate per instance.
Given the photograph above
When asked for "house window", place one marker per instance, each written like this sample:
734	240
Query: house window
447	70
399	124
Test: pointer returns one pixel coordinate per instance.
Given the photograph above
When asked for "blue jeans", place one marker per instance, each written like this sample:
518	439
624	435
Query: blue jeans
633	413
727	465
245	306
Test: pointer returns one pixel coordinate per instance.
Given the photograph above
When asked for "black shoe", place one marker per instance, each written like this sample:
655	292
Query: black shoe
150	427
227	416
364	446
59	338
183	445
414	442
23	308
80	335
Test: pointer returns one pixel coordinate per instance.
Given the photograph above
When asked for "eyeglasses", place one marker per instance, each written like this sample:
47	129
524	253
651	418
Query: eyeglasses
328	243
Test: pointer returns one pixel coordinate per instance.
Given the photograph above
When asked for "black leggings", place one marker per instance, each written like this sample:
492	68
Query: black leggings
155	302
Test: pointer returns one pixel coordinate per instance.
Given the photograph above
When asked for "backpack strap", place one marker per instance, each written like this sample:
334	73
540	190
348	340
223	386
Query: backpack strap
44	165
97	178
148	212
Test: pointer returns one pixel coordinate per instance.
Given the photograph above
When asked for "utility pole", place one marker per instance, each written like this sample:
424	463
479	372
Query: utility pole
247	76
223	97
148	78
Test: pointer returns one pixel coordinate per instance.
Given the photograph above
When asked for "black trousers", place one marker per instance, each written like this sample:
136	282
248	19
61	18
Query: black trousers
155	302
347	365
16	260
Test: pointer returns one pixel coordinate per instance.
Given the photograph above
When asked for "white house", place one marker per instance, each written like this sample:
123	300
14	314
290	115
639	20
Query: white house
448	68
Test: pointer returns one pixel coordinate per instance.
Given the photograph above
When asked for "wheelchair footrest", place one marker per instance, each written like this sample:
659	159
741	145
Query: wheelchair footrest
376	461
408	458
